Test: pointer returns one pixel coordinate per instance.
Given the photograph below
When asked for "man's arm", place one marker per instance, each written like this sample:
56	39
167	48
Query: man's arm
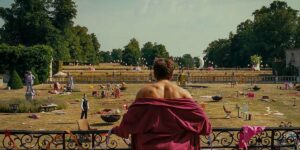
185	93
81	105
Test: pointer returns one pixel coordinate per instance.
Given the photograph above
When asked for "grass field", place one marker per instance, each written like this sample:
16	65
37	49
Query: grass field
283	101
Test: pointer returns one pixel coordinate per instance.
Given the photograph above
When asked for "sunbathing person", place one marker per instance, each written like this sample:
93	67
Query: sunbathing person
117	92
123	86
164	116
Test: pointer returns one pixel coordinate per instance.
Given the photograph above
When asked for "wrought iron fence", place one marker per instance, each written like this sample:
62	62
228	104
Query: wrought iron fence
221	138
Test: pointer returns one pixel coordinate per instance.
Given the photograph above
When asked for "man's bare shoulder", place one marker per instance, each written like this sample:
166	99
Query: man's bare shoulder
183	92
146	91
176	91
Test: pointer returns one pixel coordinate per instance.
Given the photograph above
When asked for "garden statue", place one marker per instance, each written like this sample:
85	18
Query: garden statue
29	80
70	84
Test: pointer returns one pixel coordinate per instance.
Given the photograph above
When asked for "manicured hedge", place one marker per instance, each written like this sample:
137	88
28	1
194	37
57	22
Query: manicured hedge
22	59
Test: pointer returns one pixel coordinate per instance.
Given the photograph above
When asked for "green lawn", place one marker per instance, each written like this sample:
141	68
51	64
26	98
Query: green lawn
283	103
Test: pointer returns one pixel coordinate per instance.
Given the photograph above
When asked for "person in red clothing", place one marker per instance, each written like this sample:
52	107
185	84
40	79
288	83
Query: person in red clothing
164	116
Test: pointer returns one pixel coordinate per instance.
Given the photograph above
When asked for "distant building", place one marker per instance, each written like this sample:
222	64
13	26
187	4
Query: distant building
293	57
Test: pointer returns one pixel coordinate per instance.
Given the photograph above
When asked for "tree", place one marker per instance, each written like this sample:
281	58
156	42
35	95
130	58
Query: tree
27	22
84	46
197	62
297	34
64	12
49	22
187	61
274	28
160	51
218	52
116	54
150	52
243	45
60	47
131	53
105	56
96	43
15	81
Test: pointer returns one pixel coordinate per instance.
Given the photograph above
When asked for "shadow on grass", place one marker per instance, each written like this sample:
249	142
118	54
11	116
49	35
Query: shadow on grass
101	124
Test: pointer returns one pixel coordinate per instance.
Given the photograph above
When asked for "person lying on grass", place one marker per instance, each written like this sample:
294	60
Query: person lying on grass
164	116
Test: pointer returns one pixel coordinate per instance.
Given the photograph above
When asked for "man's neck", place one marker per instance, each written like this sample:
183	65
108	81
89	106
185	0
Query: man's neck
163	80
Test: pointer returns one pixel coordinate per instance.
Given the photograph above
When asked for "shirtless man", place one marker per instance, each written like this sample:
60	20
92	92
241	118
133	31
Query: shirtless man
163	88
163	116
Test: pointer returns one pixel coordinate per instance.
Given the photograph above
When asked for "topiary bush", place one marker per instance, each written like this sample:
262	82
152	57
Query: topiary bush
15	81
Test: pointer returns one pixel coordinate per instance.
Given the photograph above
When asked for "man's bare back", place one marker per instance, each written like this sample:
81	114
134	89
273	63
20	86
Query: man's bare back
163	89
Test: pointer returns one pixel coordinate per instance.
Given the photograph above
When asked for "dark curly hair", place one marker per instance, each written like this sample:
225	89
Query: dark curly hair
163	68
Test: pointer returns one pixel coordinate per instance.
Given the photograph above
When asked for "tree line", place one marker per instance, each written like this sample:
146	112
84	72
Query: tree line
132	54
50	22
273	30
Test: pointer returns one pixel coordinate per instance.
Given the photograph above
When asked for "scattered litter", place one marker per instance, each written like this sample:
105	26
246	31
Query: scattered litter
65	93
34	116
256	88
206	96
42	129
58	112
217	98
269	112
23	123
265	98
278	114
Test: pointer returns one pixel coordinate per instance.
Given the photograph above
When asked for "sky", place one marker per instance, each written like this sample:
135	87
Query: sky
183	26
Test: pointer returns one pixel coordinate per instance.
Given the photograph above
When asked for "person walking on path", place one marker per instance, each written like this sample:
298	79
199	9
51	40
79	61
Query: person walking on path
84	107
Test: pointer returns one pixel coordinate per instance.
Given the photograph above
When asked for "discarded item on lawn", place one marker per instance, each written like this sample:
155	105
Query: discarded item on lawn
265	98
34	116
110	115
256	88
217	98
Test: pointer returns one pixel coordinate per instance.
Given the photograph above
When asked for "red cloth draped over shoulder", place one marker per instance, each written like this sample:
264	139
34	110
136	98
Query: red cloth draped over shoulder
164	124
